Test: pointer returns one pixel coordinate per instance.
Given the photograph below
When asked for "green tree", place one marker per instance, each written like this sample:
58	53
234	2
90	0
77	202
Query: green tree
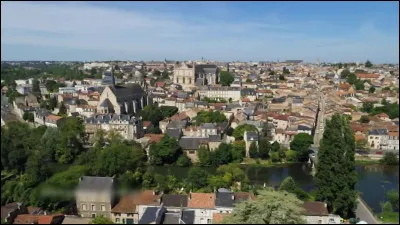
36	88
239	130
152	113
168	111
270	207
336	176
223	154
281	77
28	116
63	109
238	151
351	78
364	119
288	185
371	89
368	64
389	158
226	78
301	144
345	73
263	148
101	220
367	107
387	207
210	117
166	151
197	178
206	157
271	73
183	161
253	151
285	71
71	134
393	197
149	180
230	175
275	147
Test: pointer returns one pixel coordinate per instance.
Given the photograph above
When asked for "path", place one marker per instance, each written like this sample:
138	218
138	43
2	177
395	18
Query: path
364	213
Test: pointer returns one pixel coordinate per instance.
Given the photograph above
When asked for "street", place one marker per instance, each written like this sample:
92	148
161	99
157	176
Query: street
319	128
364	213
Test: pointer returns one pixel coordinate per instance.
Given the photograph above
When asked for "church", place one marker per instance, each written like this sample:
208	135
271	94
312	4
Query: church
121	99
193	75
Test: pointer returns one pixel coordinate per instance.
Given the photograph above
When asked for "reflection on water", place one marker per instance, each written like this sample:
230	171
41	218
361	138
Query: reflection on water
373	180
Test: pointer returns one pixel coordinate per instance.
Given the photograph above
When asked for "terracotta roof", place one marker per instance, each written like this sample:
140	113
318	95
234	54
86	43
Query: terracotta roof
241	196
54	117
147	197
394	134
344	86
154	138
315	209
146	123
32	209
125	205
179	116
281	117
218	217
366	75
26	219
201	200
383	115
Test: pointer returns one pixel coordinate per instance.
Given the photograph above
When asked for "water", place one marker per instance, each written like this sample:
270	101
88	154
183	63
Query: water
373	180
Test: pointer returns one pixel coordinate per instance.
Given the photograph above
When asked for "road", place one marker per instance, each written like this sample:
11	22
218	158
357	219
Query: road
364	213
320	120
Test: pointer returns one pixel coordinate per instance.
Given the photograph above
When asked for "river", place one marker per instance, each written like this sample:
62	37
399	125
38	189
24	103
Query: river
373	180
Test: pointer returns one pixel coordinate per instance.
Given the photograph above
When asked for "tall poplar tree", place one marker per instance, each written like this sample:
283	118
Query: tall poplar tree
336	176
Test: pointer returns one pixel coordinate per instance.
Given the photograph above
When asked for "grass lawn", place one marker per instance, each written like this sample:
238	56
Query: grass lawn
262	162
389	217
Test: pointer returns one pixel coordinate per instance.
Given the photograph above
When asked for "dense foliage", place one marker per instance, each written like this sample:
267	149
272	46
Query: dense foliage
210	117
239	130
301	144
226	78
167	151
336	176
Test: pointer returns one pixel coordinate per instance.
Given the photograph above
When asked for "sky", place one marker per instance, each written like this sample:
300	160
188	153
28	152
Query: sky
223	31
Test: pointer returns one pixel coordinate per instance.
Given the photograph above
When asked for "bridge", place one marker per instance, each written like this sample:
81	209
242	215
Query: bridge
313	157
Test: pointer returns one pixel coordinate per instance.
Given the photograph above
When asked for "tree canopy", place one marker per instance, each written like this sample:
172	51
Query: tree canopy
197	177
167	151
368	64
210	117
226	78
239	130
301	144
101	220
336	176
270	207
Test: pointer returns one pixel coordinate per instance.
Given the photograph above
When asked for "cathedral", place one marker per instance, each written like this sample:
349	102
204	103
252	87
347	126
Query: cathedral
193	75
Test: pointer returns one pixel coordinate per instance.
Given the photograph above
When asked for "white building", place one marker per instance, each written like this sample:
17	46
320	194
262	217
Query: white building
89	66
226	93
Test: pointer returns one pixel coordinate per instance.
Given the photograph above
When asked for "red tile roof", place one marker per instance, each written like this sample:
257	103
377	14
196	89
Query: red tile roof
218	217
367	76
315	209
146	123
125	205
201	200
154	138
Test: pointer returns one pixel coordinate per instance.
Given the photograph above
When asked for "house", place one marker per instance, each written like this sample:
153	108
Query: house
52	120
153	215
383	116
95	196
304	129
75	220
39	116
377	138
39	219
250	137
224	200
190	145
174	202
125	211
317	213
147	199
204	206
11	210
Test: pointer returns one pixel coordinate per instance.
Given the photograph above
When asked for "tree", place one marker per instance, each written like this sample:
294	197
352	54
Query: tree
183	161
351	78
368	64
285	71
301	144
28	116
210	117
371	89
71	134
206	157
281	77
345	73
275	146
288	185
197	178
336	176
270	207
168	111
166	151
367	107
389	158
238	151
148	180
226	78
36	88
364	119
223	154
271	73
253	152
239	130
101	220
230	175
393	197
63	109
152	113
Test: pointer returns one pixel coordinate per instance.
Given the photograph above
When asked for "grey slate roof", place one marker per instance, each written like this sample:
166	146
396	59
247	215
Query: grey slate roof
174	200
191	143
302	127
96	183
188	216
378	132
224	199
279	100
214	137
171	218
128	92
174	132
251	135
297	101
177	124
248	91
153	214
208	126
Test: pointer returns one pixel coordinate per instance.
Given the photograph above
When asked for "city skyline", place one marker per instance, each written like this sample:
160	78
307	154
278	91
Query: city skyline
223	31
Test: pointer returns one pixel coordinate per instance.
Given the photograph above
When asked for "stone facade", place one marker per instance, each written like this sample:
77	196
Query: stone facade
191	75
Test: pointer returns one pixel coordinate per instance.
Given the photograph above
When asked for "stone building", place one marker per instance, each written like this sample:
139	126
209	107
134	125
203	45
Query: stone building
193	75
128	126
95	196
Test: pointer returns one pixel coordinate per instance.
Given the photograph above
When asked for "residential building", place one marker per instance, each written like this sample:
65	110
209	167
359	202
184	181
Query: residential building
203	205
317	213
249	138
95	196
378	139
226	93
191	75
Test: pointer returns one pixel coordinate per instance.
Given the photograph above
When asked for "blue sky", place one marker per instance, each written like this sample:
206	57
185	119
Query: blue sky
226	31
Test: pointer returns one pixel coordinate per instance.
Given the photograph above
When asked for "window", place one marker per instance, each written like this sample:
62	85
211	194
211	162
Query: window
93	215
117	220
319	221
192	152
93	207
209	221
103	208
84	207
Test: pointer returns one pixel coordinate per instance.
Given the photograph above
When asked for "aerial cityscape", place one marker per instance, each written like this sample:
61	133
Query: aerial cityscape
200	113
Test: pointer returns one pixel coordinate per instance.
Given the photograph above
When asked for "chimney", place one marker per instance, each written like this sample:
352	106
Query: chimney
233	197
154	193
325	205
